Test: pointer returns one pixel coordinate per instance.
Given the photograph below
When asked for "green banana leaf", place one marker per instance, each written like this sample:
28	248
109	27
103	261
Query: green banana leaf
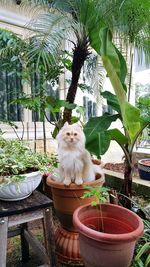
98	136
111	100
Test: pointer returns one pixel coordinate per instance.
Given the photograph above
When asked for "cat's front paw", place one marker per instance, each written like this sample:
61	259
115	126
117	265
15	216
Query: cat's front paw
67	181
78	181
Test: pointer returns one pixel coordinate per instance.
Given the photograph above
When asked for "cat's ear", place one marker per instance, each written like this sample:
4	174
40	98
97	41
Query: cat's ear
77	125
66	124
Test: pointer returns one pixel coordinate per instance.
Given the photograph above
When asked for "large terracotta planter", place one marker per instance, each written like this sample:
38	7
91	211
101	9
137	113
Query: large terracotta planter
66	200
114	245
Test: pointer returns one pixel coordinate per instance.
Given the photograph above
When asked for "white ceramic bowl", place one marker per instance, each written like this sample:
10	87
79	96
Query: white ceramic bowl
18	191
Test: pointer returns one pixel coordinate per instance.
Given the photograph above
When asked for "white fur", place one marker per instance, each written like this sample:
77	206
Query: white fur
75	163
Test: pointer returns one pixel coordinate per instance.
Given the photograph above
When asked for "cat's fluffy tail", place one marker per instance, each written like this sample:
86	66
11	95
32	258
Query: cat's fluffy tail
98	170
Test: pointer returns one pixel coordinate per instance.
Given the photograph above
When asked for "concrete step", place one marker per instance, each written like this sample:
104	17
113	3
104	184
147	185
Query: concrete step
115	180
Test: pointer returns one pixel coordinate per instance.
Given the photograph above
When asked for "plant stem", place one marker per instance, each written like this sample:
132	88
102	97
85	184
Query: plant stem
135	139
102	221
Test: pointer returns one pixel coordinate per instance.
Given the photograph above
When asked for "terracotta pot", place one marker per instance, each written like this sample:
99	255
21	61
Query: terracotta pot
67	247
67	199
115	245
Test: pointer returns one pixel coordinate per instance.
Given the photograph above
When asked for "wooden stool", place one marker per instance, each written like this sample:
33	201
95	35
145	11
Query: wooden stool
19	213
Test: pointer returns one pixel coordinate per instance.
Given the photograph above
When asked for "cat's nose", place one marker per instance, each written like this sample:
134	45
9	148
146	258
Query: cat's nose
71	139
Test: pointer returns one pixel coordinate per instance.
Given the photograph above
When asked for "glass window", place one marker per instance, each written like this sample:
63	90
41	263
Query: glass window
51	89
10	89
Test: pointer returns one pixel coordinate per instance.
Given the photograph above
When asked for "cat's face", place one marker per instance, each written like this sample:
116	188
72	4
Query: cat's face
71	134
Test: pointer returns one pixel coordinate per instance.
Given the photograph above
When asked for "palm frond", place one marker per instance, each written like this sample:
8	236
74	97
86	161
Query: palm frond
96	74
132	20
50	29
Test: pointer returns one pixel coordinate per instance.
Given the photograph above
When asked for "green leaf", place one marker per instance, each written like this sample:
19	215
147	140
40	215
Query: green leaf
55	132
74	119
143	250
147	260
108	49
112	101
50	100
97	138
86	195
123	68
56	104
144	106
67	63
93	203
113	63
67	104
99	124
118	136
29	102
98	143
132	120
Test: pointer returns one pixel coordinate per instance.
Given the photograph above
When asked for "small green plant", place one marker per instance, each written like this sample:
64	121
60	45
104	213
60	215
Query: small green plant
141	259
16	158
100	194
142	250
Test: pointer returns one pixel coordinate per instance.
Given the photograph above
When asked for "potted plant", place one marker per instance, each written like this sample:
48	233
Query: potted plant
20	169
97	130
108	232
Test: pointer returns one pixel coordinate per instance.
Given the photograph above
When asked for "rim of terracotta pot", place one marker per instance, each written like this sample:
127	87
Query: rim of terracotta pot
73	186
106	237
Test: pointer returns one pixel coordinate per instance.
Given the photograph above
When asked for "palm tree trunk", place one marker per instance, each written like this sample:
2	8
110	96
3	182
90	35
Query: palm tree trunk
80	54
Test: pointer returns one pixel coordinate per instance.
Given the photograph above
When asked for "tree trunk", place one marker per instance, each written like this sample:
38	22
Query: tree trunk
128	180
44	136
80	54
127	185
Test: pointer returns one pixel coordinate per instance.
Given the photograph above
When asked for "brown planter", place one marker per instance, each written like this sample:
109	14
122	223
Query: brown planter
66	200
108	234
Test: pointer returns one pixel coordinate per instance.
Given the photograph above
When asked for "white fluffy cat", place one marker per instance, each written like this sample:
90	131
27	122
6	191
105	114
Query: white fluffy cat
75	163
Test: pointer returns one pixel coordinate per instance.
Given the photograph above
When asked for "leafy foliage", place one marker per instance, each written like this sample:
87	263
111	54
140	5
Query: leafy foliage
100	194
97	137
144	106
17	158
142	256
10	48
112	101
130	116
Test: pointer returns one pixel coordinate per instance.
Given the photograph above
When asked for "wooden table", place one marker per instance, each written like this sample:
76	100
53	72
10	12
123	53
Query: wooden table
17	214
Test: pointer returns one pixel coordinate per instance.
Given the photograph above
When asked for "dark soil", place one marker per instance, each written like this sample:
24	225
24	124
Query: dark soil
116	167
120	167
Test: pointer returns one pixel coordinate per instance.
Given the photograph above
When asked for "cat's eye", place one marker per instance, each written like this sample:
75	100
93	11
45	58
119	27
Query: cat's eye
75	134
68	134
